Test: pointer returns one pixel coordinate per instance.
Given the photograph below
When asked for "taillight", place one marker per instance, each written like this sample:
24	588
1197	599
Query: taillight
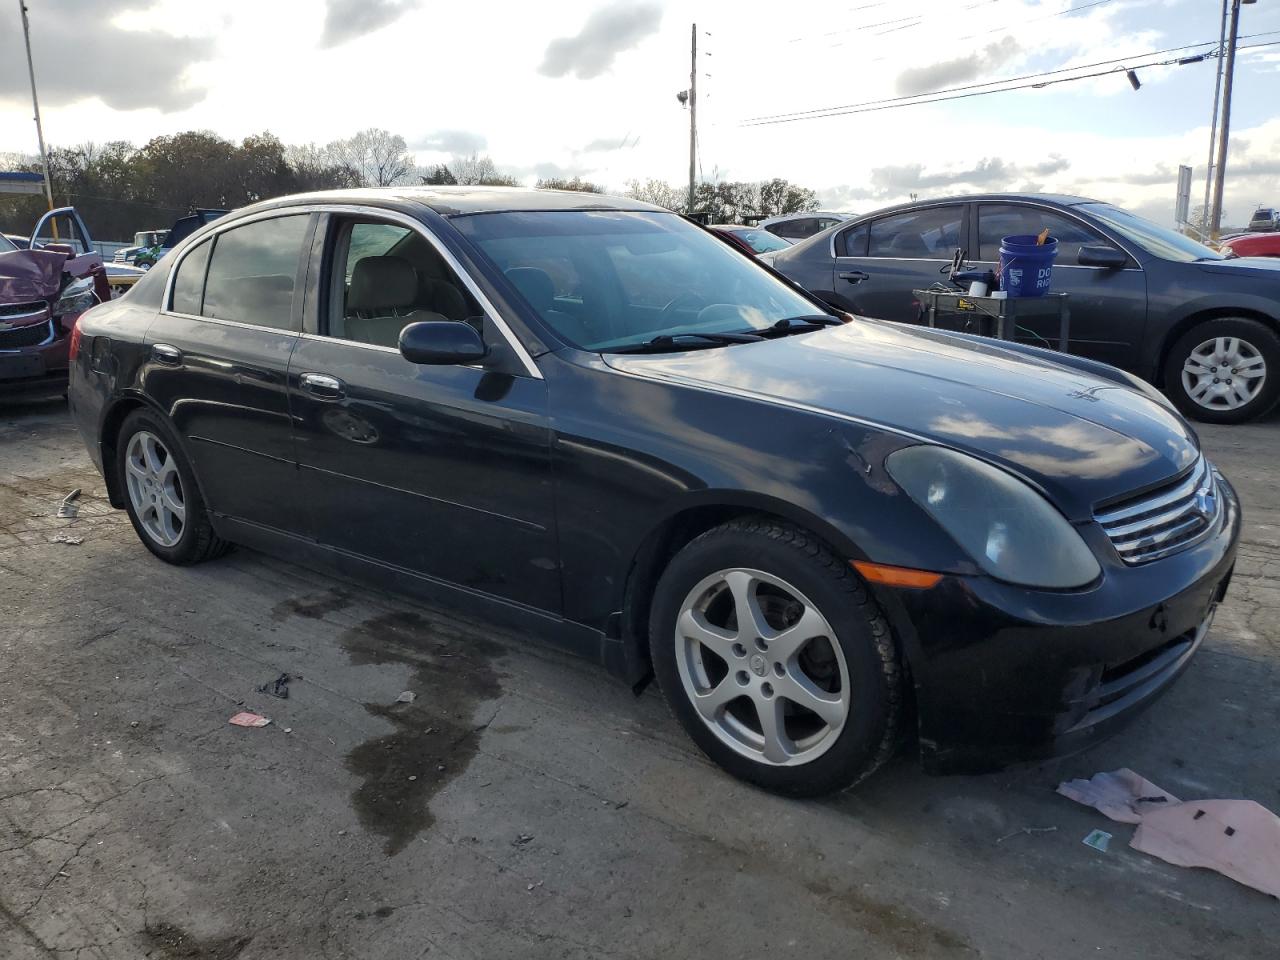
73	348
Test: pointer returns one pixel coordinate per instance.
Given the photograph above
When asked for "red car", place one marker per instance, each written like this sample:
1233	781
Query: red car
42	294
1252	245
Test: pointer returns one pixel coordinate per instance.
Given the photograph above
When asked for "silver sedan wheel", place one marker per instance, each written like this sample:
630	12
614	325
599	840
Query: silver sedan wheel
762	666
155	488
1224	373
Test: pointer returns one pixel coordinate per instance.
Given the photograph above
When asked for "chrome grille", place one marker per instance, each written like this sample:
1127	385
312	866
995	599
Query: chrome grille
1165	520
29	336
21	311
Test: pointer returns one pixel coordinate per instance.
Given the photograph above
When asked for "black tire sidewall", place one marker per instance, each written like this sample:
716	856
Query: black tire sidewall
195	531
1258	335
857	751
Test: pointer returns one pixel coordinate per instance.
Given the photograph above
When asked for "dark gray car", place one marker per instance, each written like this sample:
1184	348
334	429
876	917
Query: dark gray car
1143	298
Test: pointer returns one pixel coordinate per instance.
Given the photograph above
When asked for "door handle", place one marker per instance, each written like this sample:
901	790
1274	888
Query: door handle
322	386
853	276
166	354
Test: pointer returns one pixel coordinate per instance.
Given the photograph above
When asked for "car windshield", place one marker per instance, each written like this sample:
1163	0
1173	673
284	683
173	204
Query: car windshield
1156	240
610	280
761	241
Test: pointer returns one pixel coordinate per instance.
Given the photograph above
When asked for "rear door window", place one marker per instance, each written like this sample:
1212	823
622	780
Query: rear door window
188	282
795	229
253	271
931	233
999	220
853	242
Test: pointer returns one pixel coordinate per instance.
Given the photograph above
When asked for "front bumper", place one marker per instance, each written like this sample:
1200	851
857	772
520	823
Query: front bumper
35	369
1005	674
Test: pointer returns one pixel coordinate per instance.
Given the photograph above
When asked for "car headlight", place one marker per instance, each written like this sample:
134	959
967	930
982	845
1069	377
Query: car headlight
1010	530
77	297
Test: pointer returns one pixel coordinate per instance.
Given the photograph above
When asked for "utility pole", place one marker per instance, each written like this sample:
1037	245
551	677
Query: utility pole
31	70
1213	124
1228	73
693	113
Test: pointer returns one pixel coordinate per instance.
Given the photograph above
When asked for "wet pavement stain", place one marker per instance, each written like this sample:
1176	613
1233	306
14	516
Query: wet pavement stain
910	934
435	736
169	942
313	606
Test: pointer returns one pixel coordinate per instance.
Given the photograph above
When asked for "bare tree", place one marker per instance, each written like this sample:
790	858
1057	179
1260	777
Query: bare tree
479	170
373	157
658	192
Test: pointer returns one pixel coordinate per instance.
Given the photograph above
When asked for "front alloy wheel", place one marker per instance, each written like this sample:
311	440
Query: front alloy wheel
775	658
1224	373
1225	370
761	665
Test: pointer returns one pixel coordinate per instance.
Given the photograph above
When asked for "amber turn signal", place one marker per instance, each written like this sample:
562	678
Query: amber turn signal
895	576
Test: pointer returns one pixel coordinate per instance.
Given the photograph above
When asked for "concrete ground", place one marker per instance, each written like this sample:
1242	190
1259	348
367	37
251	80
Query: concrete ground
524	805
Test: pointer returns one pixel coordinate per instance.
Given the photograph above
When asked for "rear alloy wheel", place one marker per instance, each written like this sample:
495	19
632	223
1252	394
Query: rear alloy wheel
1225	371
775	659
161	495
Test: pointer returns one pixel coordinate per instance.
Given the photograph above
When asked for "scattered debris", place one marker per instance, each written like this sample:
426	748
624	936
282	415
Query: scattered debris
1098	839
68	508
1027	831
279	687
522	839
619	806
534	886
63	538
407	697
288	729
246	719
1238	838
1121	795
413	777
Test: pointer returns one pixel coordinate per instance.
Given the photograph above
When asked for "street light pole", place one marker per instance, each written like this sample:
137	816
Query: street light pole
693	113
1228	74
1213	124
35	103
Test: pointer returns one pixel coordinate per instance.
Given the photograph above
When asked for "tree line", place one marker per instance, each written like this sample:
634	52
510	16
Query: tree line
120	188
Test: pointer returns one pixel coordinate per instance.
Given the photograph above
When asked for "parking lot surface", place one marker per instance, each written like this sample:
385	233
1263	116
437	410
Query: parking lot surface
524	804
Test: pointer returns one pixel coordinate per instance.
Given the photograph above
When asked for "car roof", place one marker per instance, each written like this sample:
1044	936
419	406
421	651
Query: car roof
461	201
1061	199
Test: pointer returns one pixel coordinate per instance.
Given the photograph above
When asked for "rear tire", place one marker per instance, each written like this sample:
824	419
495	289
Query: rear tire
160	492
1225	370
806	699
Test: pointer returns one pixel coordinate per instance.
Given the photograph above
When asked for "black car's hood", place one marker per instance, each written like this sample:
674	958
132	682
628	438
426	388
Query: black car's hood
1080	438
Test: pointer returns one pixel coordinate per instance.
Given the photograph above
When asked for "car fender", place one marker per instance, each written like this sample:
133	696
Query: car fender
1190	312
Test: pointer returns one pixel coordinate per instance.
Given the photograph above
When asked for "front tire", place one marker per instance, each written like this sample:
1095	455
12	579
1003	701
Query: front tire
775	659
161	496
1225	370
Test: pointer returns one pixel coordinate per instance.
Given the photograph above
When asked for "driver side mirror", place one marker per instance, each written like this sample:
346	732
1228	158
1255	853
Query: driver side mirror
442	342
1098	255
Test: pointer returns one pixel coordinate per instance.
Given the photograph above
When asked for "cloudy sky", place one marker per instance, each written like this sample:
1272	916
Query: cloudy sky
588	87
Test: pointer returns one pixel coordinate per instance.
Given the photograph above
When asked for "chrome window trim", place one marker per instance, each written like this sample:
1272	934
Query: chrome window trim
351	209
872	218
286	331
1065	211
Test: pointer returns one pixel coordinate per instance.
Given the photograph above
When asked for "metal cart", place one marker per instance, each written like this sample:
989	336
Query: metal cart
1003	312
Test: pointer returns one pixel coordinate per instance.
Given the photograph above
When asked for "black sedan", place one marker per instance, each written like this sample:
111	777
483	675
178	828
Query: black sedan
1148	300
593	419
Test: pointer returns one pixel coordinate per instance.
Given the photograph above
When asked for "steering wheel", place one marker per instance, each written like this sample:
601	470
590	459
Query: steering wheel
667	316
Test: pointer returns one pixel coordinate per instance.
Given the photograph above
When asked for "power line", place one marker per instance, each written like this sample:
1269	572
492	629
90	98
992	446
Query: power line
901	23
979	89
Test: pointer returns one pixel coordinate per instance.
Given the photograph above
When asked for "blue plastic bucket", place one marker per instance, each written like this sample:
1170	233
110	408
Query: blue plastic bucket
1026	268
